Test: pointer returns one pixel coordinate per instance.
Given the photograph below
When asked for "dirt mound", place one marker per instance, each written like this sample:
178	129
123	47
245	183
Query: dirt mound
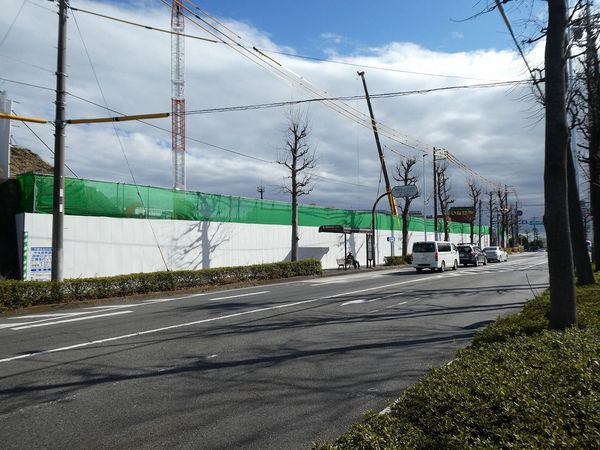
23	160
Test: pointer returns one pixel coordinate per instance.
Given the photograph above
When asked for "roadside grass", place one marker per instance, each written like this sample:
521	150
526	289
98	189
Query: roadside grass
520	385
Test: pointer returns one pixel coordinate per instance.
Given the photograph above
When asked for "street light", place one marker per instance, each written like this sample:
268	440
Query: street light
373	225
423	193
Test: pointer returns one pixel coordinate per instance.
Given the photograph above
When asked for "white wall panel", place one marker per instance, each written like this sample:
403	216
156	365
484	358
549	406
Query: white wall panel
104	246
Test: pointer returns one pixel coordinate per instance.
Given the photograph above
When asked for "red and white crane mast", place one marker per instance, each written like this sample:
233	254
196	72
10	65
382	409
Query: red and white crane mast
177	95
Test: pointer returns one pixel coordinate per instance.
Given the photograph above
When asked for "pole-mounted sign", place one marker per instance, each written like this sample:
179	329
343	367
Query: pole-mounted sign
409	190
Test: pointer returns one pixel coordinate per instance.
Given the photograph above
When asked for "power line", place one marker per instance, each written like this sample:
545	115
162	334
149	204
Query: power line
512	34
293	55
45	145
28	84
3	40
119	140
147	27
354	97
365	66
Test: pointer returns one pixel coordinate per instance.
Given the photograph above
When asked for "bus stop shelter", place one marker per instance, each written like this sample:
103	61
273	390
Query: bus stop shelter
345	230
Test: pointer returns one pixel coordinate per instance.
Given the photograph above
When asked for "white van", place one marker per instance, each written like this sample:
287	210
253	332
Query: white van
434	255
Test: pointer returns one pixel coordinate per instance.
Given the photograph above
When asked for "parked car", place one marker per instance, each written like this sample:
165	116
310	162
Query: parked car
434	255
471	254
496	254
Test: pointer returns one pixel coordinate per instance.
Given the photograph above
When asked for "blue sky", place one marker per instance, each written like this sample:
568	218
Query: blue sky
495	131
313	27
434	24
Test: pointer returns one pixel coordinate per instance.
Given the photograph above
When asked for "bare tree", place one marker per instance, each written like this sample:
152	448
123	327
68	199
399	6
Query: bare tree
299	159
404	175
585	113
563	311
491	207
444	197
474	195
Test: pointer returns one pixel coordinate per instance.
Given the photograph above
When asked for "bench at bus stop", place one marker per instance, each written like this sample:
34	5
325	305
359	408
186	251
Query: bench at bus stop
342	262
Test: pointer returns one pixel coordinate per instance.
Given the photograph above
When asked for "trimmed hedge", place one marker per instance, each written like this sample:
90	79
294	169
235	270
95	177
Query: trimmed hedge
20	294
519	385
534	318
531	392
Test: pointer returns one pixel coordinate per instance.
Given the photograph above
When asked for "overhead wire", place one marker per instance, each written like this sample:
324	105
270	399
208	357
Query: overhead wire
279	70
270	64
352	97
267	62
44	143
520	50
338	106
119	140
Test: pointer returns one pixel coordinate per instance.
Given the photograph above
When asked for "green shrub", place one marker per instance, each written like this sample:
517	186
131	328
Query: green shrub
20	294
529	392
534	318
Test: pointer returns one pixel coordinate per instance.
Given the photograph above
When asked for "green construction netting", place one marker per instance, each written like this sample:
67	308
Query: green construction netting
101	198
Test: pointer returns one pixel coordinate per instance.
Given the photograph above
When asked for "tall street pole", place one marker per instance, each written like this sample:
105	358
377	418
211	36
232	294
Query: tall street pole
423	194
435	227
388	186
58	202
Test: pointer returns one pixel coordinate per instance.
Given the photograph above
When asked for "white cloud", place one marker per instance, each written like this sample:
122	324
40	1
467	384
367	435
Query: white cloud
490	130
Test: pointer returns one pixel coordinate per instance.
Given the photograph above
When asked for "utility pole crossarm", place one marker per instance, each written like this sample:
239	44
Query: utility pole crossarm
118	118
22	118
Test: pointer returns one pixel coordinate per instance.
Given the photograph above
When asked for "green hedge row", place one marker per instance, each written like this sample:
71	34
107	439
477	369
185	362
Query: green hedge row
530	392
519	386
19	294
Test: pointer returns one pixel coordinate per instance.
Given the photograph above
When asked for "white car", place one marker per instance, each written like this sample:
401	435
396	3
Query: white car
434	255
496	254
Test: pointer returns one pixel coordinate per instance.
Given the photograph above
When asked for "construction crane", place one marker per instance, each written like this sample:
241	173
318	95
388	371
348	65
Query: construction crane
388	187
177	95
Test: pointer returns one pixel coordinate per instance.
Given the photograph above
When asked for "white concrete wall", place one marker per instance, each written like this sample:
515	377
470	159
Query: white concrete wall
104	246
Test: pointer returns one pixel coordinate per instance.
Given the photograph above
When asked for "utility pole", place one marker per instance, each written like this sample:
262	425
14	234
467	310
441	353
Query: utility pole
491	211
388	187
58	201
435	195
261	190
480	214
423	195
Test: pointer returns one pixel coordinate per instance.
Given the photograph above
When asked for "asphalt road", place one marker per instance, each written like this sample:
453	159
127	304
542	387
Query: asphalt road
272	366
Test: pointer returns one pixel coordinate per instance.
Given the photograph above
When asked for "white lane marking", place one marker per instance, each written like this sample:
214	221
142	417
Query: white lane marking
197	322
44	324
172	299
238	295
109	307
352	302
397	304
39	316
10	325
51	317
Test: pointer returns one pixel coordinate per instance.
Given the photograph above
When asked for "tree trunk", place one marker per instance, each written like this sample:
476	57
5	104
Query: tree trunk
404	232
294	255
556	219
446	229
472	226
583	267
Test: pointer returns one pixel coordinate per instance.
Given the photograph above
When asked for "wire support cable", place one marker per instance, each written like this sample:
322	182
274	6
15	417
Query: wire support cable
120	142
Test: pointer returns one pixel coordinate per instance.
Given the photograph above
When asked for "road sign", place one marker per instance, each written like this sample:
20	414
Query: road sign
409	190
391	238
519	212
